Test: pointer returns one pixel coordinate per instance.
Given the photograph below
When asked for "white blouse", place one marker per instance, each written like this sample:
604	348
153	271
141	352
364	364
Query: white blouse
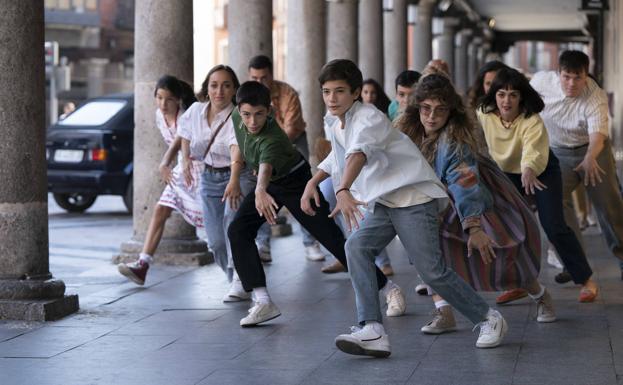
193	126
393	161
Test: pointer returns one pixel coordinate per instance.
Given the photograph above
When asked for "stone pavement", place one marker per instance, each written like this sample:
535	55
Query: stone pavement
176	330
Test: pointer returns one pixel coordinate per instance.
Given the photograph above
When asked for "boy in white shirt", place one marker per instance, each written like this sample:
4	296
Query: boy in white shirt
373	164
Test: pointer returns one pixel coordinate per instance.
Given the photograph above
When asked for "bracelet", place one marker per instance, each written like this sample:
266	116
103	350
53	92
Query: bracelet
236	161
342	189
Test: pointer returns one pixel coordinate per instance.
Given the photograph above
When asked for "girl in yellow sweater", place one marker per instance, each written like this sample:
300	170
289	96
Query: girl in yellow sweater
518	143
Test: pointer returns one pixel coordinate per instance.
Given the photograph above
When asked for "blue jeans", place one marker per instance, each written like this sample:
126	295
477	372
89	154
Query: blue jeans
326	186
217	215
418	229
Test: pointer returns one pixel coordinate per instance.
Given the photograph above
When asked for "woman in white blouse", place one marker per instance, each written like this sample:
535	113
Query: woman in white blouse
207	134
173	97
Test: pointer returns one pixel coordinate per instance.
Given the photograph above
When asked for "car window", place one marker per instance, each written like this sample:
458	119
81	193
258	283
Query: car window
94	113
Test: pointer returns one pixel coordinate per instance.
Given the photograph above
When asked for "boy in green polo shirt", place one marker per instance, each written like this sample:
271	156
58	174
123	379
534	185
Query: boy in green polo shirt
282	174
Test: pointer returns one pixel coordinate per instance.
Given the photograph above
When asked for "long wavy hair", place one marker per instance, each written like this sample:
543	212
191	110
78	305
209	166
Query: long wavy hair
459	129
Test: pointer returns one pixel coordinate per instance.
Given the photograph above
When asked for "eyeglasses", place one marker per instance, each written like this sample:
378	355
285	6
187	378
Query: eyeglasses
425	109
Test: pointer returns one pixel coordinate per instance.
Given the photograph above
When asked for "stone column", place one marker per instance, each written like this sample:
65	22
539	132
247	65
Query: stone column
460	60
306	48
395	44
160	27
27	289
371	39
472	59
250	27
342	30
96	72
422	34
443	28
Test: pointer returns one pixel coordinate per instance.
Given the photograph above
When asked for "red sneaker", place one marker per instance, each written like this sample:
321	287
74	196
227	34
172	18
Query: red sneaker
135	271
511	295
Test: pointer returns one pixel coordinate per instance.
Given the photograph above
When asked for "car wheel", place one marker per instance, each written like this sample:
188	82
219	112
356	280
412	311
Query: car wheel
75	202
127	197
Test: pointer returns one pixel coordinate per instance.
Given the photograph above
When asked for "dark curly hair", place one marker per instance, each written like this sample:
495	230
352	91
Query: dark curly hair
508	78
459	129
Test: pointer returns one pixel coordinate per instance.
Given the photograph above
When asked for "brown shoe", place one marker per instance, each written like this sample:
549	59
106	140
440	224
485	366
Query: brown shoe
387	270
588	294
511	295
335	267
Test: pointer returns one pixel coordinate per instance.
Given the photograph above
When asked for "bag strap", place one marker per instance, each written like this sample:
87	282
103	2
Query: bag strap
218	129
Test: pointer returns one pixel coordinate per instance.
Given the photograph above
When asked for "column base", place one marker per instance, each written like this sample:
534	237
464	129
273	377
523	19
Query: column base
192	252
39	310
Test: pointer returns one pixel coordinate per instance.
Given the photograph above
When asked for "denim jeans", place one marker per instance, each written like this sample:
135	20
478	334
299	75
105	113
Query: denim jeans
605	196
216	215
418	228
326	187
557	226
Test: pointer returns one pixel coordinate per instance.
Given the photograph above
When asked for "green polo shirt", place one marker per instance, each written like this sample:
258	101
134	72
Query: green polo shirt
271	145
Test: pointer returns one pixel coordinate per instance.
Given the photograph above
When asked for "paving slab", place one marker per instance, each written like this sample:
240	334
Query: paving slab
176	330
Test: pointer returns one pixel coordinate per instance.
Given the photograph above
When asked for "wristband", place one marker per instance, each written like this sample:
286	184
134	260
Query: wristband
342	189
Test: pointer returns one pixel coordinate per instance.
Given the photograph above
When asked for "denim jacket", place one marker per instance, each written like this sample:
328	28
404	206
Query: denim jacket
460	173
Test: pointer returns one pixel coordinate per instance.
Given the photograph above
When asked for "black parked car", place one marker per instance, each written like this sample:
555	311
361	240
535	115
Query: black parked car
90	153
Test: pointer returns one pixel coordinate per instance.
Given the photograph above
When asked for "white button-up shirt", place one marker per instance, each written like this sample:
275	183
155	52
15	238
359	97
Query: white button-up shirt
193	126
570	121
393	161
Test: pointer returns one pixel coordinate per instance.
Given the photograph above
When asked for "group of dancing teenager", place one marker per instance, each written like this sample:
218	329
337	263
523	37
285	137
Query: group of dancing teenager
457	182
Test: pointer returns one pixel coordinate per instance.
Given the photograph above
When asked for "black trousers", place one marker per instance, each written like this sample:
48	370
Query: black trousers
286	191
551	215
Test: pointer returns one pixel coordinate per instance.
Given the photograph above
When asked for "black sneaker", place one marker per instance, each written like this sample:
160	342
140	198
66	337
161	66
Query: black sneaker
563	277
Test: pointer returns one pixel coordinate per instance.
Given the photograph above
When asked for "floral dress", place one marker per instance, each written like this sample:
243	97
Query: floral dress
177	195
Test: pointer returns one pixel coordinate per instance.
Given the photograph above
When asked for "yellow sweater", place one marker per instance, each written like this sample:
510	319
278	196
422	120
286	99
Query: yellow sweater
524	144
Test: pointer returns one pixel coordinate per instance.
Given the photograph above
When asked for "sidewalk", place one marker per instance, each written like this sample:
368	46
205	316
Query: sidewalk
176	330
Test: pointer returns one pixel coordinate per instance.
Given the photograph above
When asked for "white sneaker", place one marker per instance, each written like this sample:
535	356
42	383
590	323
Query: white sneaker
314	253
545	309
552	259
492	330
260	312
364	341
396	305
236	293
423	289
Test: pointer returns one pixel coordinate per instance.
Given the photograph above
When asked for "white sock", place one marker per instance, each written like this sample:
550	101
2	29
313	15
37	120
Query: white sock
440	304
388	286
261	295
537	296
376	326
145	258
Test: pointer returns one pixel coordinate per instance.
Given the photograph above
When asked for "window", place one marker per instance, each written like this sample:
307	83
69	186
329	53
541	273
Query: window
94	113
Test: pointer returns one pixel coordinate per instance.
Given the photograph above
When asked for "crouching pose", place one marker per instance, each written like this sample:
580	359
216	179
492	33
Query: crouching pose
282	174
488	214
373	163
